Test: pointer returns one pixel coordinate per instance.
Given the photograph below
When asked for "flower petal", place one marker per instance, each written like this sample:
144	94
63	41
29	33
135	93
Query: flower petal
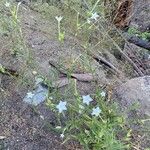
96	111
87	99
103	94
61	106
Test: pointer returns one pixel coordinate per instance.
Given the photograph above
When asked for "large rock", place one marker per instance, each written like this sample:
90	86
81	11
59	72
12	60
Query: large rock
134	91
140	14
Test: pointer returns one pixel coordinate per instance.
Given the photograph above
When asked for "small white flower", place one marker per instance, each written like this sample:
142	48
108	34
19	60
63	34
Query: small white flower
58	127
88	21
96	111
30	95
59	18
87	99
61	106
94	16
34	72
62	136
103	94
51	98
80	111
19	3
42	117
81	108
7	4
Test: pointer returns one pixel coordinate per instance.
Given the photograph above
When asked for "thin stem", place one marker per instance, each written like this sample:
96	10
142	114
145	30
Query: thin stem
77	23
85	4
82	25
77	20
59	28
17	9
95	5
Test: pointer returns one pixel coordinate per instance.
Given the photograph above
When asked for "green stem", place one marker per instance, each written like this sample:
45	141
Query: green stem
95	5
82	25
77	20
59	29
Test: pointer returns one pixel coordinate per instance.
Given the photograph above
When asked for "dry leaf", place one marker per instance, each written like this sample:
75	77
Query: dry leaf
87	77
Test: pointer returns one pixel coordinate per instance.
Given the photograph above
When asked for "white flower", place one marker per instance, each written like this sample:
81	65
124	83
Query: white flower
7	4
81	108
42	117
30	95
103	94
62	136
87	99
51	98
61	106
94	16
34	72
88	21
96	111
19	3
58	127
59	18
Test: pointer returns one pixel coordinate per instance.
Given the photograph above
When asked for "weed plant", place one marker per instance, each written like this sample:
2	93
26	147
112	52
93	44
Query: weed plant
92	121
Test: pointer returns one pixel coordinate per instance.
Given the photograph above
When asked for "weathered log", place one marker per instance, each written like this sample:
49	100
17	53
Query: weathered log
84	77
138	41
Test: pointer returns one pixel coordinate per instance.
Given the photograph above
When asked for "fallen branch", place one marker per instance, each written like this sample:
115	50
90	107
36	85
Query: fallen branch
138	41
105	34
102	60
84	77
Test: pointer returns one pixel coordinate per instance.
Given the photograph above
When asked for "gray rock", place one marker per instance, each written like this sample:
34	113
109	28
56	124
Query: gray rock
134	91
140	14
